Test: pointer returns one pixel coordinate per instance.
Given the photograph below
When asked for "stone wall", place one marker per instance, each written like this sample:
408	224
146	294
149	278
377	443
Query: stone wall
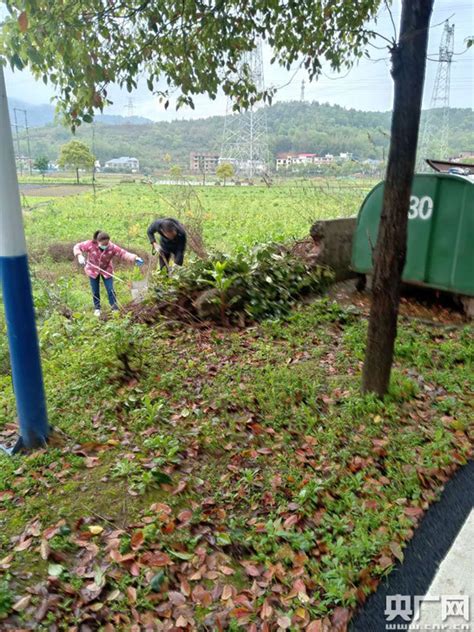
333	245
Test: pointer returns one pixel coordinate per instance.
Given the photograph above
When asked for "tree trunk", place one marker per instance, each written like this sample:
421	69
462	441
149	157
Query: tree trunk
77	175
408	72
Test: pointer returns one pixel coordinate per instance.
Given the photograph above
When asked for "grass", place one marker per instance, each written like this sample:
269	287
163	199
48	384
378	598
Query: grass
209	478
232	218
278	469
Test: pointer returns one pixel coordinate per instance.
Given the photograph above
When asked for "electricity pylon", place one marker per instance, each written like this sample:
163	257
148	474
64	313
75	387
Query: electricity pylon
244	142
435	137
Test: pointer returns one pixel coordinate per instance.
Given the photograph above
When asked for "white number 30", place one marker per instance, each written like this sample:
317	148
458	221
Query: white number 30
420	207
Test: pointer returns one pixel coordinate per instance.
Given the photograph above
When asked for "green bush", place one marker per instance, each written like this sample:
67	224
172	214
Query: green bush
255	284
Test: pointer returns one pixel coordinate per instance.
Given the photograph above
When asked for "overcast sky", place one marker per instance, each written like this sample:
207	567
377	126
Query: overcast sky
367	86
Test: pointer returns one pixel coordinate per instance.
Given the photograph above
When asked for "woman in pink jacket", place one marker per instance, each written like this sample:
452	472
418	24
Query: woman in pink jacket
100	252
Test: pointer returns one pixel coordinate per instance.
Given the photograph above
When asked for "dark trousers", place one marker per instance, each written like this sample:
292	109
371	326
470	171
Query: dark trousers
165	257
109	286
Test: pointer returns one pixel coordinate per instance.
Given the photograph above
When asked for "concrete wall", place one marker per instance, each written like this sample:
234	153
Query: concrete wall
333	245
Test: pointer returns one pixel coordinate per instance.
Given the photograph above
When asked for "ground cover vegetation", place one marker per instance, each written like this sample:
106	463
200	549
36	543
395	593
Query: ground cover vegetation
288	493
203	477
211	479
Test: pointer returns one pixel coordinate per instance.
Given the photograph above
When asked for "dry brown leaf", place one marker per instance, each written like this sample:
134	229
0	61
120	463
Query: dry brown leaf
132	594
23	21
137	540
45	549
156	559
284	622
226	570
266	610
226	592
25	544
185	515
22	603
176	598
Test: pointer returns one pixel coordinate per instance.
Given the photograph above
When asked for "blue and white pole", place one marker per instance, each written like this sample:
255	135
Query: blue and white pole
17	296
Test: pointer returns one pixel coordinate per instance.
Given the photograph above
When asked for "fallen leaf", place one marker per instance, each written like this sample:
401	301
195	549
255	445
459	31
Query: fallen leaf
185	515
340	619
95	607
156	559
266	610
384	561
284	622
115	594
55	570
315	626
22	603
137	540
290	521
396	550
176	598
132	594
45	550
95	529
226	570
226	593
251	569
25	544
161	508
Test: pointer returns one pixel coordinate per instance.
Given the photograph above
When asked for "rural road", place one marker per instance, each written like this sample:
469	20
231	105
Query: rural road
439	561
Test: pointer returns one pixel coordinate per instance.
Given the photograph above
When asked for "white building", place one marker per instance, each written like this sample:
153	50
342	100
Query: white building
124	164
290	159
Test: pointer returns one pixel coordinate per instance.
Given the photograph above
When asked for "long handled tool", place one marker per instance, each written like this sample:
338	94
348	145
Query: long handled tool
105	272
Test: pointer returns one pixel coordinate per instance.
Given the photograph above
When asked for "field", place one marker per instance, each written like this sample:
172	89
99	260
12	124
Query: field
203	478
231	217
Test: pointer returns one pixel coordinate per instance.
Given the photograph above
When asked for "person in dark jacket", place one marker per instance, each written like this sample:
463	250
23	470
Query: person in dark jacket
172	240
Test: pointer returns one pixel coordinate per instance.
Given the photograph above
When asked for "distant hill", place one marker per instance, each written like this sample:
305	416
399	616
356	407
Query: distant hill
40	115
292	126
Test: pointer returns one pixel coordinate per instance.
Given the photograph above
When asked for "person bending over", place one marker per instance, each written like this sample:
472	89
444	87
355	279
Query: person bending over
172	240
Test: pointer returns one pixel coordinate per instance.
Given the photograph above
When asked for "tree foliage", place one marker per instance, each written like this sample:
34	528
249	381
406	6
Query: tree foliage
195	47
41	164
225	171
76	155
292	126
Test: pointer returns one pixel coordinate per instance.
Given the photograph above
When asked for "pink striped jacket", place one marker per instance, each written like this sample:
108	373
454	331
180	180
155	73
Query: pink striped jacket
100	261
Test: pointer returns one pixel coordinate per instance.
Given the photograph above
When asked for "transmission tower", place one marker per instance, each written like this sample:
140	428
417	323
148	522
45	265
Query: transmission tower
244	142
435	138
129	107
302	91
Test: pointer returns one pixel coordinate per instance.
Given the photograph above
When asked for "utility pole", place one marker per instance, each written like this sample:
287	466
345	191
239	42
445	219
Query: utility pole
17	297
435	138
302	91
18	141
28	141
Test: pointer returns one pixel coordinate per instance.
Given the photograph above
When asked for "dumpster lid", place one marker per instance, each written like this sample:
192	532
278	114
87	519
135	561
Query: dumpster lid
449	166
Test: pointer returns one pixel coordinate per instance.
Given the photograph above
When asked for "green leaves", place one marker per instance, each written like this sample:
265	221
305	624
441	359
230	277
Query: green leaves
194	47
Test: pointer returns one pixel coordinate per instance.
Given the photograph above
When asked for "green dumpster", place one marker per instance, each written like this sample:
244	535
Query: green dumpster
440	249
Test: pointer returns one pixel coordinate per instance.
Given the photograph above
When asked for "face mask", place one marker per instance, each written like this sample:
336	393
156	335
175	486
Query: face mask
103	247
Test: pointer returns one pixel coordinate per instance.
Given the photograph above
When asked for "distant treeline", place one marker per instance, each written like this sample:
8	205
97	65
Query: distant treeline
292	126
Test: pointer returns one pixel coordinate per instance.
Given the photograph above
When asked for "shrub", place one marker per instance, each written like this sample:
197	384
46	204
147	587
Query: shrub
256	284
